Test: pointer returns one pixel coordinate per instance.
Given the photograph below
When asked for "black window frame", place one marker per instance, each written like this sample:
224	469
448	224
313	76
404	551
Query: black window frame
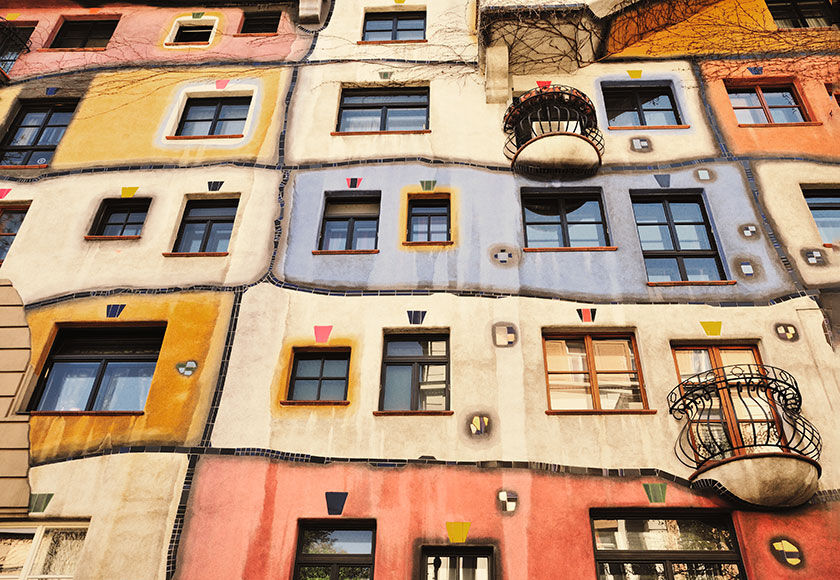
812	197
334	560
415	362
14	42
392	93
110	338
635	90
218	102
110	206
415	207
361	198
261	21
829	12
3	234
679	254
24	108
210	220
460	550
758	89
563	197
188	27
394	18
84	33
322	354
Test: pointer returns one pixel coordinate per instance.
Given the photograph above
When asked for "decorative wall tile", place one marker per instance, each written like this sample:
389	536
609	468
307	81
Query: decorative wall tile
755	70
504	334
416	316
38	502
543	84
51	91
704	175
128	191
504	255
747	269
640	144
354	182
4	192
815	257
749	231
114	310
655	492
663	180
322	333
786	552
215	185
479	425
787	332
428	184
386	74
186	368
507	501
634	74
335	502
586	314
712	327
457	531
221	83
197	15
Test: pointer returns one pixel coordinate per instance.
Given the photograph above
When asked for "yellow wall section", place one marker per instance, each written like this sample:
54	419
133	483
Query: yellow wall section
176	407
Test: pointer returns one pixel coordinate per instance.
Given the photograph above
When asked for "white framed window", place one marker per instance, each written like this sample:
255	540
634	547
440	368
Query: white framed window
189	32
32	552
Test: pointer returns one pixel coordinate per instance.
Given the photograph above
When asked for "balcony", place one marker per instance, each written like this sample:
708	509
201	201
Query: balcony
553	129
744	435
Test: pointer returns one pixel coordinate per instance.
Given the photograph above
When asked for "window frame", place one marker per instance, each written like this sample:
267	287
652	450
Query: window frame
634	89
334	560
39	530
416	362
219	102
822	193
394	17
14	208
428	201
830	13
25	107
187	28
563	196
383	108
459	550
739	85
259	16
8	47
112	205
355	197
321	354
185	219
87	35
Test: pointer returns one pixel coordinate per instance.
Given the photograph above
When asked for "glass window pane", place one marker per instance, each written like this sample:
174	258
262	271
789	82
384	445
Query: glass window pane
219	237
229	128
659	99
621	109
432	387
750	116
541	210
613	355
787	115
24	136
544	236
569	391
693	361
328	541
308	367
779	98
68	386
335	367
693	237
124	386
411	23
664	534
744	98
238	111
587	235
193	128
304	390
662	270
631	571
373	24
455	567
113	230
354	121
686	212
438	228
583	211
34	119
40	157
333	390
314	573
655	238
701	269
355	573
364	235
828	223
647	213
199	210
14	548
706	571
415	347
10	221
405	119
191	237
737	356
565	355
397	396
200	112
619	391
60	118
411	34
660	118
132	230
335	235
59	552
418	229
51	135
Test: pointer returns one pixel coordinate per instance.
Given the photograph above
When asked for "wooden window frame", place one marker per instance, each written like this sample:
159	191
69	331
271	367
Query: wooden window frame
218	102
87	34
563	197
354	198
417	203
15	208
394	18
737	85
24	108
391	93
321	354
333	561
210	220
460	550
116	205
415	362
635	90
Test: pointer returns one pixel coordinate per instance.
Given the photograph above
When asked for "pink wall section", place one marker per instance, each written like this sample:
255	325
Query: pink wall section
140	35
243	514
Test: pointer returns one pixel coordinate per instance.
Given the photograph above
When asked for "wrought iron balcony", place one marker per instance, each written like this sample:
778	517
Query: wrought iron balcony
553	129
748	412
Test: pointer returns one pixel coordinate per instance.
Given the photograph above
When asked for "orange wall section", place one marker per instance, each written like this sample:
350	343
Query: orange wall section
176	407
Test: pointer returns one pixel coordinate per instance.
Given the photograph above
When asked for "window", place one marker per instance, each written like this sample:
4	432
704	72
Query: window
36	132
457	563
120	217
633	106
384	26
428	220
335	550
563	219
802	13
370	110
207	226
10	220
766	105
193	34
665	547
224	116
825	207
415	373
260	23
99	369
12	44
350	224
84	34
28	552
319	376
599	372
677	242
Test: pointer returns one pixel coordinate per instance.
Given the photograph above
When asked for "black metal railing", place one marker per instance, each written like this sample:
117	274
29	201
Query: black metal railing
741	409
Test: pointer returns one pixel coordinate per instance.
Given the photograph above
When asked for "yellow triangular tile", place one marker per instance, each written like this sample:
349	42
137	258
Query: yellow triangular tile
711	327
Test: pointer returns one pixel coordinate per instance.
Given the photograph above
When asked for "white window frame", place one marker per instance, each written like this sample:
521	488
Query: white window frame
39	530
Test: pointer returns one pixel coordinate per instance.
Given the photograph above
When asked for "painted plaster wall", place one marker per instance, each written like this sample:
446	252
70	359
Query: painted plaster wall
130	501
487	215
243	518
177	405
52	238
140	36
508	384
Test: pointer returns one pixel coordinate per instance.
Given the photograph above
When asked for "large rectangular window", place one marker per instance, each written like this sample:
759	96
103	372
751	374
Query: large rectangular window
207	226
223	116
99	369
319	376
33	552
457	563
376	110
335	550
11	219
825	207
350	224
428	220
563	219
12	44
415	373
120	217
676	238
803	13
35	132
766	105
84	34
633	106
384	26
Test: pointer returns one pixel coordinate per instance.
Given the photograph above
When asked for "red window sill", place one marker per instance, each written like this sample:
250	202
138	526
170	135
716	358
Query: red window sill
336	252
828	245
194	254
90	49
647	127
194	137
803	124
110	238
186	44
315	403
418	41
24	166
602	412
84	413
445	243
574	249
256	34
412	413
414	132
692	283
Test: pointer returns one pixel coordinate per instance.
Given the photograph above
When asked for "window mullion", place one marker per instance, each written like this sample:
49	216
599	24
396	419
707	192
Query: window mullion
97	383
639	107
564	223
205	239
351	225
383	115
593	375
37	538
415	386
764	105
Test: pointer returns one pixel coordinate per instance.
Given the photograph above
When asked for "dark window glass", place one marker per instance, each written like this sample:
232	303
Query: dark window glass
99	369
415	373
207	226
260	23
394	26
428	221
456	563
120	217
825	207
319	376
640	105
364	110
84	34
335	550
350	224
207	117
193	33
803	13
12	44
766	105
563	220
10	221
36	132
677	242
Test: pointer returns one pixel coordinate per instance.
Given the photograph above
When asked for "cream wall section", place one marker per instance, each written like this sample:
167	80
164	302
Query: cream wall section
508	384
131	501
51	257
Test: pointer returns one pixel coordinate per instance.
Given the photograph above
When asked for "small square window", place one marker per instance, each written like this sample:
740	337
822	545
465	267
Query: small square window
319	376
46	551
84	34
563	219
120	217
803	13
825	208
11	219
14	42
457	563
36	132
260	22
637	106
415	373
193	33
375	110
428	220
335	550
350	224
385	26
212	117
207	226
766	105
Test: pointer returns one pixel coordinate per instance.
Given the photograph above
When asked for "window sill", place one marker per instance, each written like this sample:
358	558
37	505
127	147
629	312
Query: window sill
255	34
110	238
692	283
314	403
195	137
413	132
444	243
830	246
84	413
186	44
44	166
574	249
412	413
647	127
194	254
602	412
417	41
338	252
758	125
87	49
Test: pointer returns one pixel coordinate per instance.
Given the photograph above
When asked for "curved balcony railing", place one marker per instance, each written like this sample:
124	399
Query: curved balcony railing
739	410
554	110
